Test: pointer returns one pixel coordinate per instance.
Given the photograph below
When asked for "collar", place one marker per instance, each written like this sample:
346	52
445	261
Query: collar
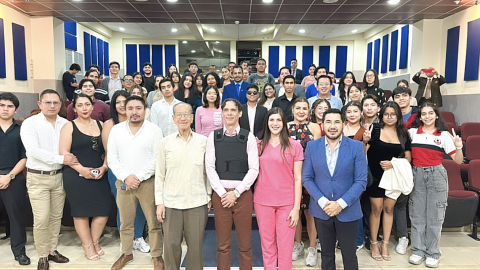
45	118
248	106
15	123
138	132
235	132
240	83
189	135
284	96
339	142
420	131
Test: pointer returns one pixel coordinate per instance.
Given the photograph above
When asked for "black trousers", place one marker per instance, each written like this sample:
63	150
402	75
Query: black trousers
346	232
15	199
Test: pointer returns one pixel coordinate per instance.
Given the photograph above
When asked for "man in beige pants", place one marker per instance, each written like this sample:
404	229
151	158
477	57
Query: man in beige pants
40	135
132	153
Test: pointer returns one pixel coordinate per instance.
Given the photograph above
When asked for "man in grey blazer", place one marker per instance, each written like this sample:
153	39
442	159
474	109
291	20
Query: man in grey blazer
299	90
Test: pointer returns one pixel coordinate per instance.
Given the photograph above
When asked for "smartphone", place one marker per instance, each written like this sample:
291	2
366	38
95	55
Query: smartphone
427	70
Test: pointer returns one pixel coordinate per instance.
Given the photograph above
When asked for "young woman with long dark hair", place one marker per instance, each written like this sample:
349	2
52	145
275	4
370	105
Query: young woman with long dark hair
171	69
278	190
347	79
138	80
268	95
176	80
318	109
372	85
188	93
353	125
209	117
428	200
388	139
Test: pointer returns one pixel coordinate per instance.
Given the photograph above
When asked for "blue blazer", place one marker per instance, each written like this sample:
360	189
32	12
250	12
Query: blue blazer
230	91
348	182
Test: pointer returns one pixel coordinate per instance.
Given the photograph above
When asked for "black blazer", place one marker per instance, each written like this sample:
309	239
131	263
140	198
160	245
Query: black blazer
258	124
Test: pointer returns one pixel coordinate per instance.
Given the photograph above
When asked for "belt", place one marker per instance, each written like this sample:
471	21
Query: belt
45	172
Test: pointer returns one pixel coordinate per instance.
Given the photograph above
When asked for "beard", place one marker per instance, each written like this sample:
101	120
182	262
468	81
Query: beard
333	137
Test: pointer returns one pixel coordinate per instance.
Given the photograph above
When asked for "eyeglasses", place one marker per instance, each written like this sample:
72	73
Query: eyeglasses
393	115
95	144
252	93
370	76
128	80
323	84
186	115
50	103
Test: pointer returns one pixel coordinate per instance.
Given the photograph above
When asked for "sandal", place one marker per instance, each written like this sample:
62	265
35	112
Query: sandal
377	258
93	257
385	256
100	252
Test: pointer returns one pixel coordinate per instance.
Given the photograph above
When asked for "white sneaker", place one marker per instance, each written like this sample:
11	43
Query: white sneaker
319	246
415	259
297	250
431	262
402	245
311	257
359	247
141	245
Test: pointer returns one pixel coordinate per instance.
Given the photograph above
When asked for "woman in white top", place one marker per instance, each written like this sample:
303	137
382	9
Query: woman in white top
268	96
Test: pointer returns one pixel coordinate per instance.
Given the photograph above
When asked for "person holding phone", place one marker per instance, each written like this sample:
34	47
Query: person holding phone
86	183
429	82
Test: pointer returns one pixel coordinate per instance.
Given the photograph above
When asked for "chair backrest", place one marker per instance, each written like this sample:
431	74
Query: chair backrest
388	94
474	174
472	147
454	176
470	129
448	117
359	84
67	103
450	126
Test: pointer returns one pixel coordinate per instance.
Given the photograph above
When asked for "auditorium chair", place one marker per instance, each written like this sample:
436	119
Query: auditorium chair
462	204
388	94
66	103
472	151
449	117
470	129
474	185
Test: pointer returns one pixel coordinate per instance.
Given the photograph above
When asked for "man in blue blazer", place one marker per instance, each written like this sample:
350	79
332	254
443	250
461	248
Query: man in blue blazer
335	175
238	89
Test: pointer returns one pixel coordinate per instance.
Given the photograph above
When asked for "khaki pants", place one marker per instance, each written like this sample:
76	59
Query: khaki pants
191	224
127	201
47	198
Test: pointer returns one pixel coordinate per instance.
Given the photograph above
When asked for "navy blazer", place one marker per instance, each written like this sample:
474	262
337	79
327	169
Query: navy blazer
298	76
348	182
230	91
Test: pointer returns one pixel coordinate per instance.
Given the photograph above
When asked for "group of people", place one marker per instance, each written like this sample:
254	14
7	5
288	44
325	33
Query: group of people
170	148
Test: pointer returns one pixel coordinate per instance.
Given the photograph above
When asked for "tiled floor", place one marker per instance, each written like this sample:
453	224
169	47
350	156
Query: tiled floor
459	252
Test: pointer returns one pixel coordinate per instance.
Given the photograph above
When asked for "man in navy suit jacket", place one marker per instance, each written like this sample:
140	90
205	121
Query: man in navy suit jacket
296	72
236	92
335	175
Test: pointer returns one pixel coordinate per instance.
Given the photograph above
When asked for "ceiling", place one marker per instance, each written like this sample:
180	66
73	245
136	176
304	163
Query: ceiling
245	11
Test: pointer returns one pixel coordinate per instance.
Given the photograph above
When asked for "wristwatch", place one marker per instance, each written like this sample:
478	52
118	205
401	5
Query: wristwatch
237	194
12	176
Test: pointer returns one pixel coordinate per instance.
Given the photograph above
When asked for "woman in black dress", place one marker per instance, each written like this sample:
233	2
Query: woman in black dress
389	139
86	183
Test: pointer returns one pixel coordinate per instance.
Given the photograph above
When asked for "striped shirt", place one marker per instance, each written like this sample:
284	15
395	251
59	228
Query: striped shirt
428	148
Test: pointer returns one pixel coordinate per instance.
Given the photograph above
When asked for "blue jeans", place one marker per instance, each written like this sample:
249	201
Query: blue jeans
360	232
140	219
427	205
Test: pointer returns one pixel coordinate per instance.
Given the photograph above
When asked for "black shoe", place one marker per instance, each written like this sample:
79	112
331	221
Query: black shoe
367	243
22	259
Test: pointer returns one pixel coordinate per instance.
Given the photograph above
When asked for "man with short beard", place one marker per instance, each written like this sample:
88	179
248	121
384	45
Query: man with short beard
148	78
100	94
238	89
132	155
335	175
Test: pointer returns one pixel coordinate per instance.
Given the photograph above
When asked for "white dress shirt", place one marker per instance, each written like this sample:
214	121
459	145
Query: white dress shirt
133	154
162	115
41	141
251	116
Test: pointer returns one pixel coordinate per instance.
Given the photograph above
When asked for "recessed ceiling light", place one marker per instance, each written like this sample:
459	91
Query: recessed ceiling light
354	31
184	42
329	1
213	30
301	31
220	51
264	30
267	1
217	42
172	1
193	51
121	29
393	2
141	0
174	30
